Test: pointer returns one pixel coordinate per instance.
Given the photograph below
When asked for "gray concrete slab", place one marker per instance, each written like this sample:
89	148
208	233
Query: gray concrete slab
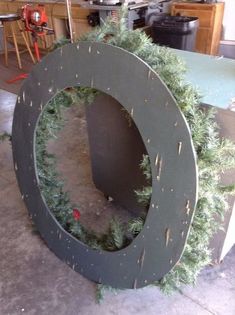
34	281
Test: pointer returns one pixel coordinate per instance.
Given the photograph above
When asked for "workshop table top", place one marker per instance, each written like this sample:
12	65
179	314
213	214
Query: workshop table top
214	77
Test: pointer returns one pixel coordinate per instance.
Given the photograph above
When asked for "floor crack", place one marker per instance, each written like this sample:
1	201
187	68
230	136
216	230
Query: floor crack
198	303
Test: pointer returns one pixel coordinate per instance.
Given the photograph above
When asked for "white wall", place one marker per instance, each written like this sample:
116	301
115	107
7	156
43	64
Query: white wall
229	20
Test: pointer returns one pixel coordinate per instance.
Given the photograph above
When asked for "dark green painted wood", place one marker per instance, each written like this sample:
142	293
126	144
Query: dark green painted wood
167	139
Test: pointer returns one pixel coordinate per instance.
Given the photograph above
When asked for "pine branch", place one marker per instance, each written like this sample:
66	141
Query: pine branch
135	226
101	289
5	136
144	195
214	155
227	190
146	167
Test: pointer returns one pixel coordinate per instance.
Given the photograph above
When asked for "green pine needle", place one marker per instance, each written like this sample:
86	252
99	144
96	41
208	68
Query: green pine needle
214	155
144	195
135	226
5	136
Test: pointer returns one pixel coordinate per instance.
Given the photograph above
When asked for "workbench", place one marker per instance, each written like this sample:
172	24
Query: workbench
214	76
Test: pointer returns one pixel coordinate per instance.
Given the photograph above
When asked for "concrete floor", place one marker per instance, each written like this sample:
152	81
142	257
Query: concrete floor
34	281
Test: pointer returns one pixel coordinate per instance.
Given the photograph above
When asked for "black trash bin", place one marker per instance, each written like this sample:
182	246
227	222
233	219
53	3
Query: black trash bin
175	31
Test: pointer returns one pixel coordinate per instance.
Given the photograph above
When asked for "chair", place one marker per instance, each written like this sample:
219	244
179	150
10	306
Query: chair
11	30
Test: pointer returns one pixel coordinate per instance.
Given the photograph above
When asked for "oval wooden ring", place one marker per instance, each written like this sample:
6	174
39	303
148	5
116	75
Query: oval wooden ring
166	136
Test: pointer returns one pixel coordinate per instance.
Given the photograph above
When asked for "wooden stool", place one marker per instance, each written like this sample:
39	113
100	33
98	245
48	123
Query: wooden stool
12	20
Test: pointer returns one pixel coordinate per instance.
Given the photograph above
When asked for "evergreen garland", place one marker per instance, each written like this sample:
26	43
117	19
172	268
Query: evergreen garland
5	136
215	155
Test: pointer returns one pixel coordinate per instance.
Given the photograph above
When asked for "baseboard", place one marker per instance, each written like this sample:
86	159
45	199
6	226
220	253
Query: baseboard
227	48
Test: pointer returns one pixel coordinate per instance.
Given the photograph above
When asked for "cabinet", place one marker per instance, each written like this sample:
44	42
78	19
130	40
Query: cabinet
210	23
60	20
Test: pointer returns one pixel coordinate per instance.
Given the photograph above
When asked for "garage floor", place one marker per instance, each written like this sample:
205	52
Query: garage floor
34	281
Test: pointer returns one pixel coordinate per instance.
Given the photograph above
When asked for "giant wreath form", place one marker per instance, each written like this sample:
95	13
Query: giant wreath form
168	142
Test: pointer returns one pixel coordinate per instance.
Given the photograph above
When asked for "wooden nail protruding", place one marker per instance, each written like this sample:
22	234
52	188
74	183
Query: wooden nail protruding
167	236
158	164
187	206
135	284
179	147
132	112
141	260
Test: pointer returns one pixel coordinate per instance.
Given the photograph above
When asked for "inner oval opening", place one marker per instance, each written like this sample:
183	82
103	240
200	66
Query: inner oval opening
96	164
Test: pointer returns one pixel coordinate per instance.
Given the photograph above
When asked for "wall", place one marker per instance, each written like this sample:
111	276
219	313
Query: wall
229	23
227	49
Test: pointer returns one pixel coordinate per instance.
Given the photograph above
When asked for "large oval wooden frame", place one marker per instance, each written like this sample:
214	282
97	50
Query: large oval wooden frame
168	141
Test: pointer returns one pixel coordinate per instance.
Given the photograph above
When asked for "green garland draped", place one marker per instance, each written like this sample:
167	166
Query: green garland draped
214	155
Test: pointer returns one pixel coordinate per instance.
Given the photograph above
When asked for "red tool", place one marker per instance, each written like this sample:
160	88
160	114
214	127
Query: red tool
21	76
35	21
